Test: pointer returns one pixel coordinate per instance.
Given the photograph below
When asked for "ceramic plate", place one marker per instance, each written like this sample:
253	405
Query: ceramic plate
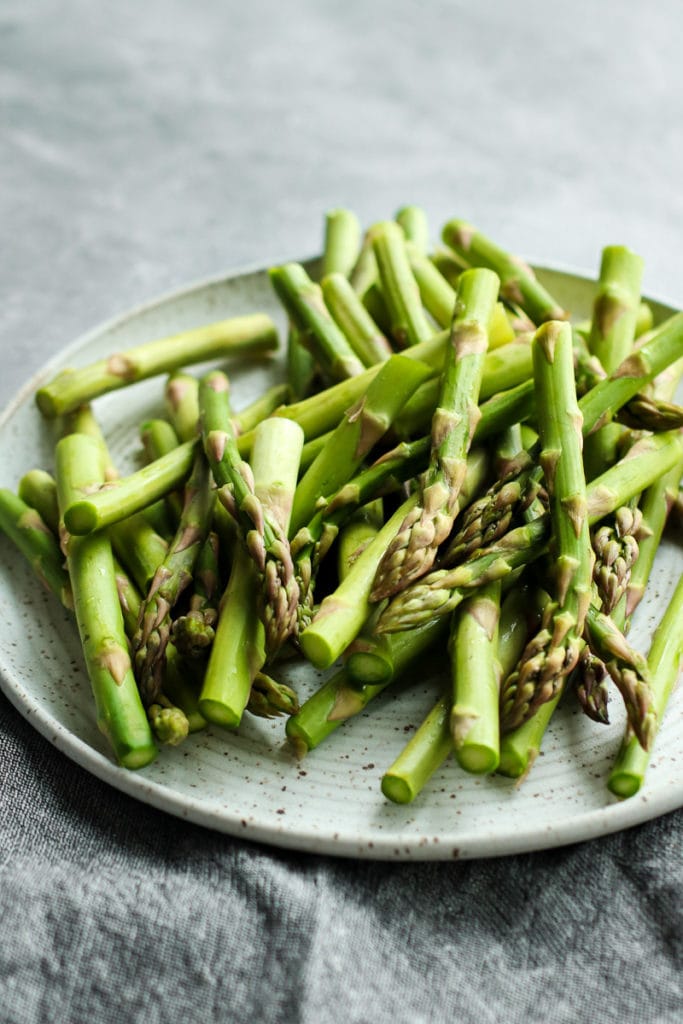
248	784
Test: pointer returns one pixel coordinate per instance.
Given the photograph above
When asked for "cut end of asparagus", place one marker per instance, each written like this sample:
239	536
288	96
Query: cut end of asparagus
477	758
369	667
80	518
219	714
624	783
317	648
137	756
397	789
299	739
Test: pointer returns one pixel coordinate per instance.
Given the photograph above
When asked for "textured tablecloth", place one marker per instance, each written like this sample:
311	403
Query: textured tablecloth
144	145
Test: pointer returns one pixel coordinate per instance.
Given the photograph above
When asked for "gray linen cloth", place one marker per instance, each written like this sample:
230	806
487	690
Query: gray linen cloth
146	145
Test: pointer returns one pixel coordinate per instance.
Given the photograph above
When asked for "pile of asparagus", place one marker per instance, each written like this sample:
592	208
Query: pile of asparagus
451	466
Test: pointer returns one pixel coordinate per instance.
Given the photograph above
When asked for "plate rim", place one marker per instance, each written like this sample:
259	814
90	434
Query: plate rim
613	817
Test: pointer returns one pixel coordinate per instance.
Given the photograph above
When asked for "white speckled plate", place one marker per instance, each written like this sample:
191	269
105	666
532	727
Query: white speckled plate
248	784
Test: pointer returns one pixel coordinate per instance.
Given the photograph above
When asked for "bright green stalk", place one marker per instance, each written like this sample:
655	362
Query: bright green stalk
413	551
518	282
437	295
182	404
612	336
39	490
244	335
364	273
139	547
342	613
475	677
413	221
303	300
362	426
339	699
644	319
158	438
554	651
266	542
171	579
26	529
302	367
664	664
642	465
261	408
342	242
127	495
432	742
351	316
654	505
120	714
362	526
409	324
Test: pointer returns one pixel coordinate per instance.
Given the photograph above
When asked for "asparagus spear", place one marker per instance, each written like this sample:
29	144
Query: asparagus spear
654	506
254	335
39	490
362	526
342	242
182	404
518	281
413	222
664	666
409	324
413	551
239	649
120	714
615	545
302	299
193	632
552	654
351	316
432	742
612	336
264	537
172	577
26	529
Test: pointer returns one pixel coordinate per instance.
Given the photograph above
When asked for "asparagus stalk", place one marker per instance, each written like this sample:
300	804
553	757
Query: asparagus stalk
413	551
612	336
413	222
518	282
339	698
254	335
264	537
342	242
27	530
358	432
616	549
432	742
239	650
351	316
120	714
302	299
654	506
475	677
362	526
409	324
552	654
364	273
39	490
664	666
261	408
342	613
182	404
172	577
302	368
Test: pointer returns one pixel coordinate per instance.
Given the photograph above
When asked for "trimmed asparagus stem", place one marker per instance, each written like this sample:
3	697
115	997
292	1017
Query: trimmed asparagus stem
437	295
554	651
342	613
362	526
351	316
432	742
664	665
120	714
301	366
264	537
122	498
342	242
139	547
238	651
644	463
644	319
599	405
413	551
253	335
413	221
475	677
158	438
26	529
364	273
339	699
612	336
39	490
409	324
182	404
303	300
518	282
360	429
171	579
